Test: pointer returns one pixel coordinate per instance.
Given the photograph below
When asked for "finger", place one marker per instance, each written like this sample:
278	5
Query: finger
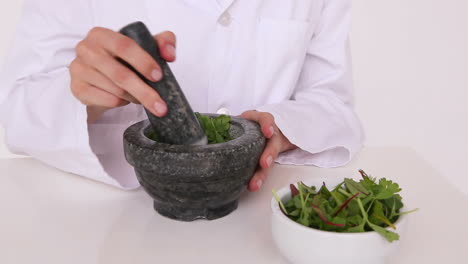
251	115
258	180
127	80
265	120
167	45
97	79
271	152
125	48
93	96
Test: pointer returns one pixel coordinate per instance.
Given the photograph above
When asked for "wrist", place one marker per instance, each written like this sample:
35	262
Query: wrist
287	145
95	112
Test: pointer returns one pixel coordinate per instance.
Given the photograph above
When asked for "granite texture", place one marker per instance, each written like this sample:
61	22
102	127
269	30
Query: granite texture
189	182
180	125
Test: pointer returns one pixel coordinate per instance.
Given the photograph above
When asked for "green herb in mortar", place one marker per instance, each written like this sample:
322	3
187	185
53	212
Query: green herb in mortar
216	128
352	206
153	136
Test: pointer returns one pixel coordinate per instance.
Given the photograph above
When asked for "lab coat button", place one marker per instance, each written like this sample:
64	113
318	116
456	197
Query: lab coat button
225	19
223	111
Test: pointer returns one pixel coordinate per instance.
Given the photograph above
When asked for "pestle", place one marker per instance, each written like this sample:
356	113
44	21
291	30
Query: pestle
179	126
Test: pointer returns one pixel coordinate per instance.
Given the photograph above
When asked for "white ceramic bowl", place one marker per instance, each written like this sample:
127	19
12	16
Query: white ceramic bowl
301	244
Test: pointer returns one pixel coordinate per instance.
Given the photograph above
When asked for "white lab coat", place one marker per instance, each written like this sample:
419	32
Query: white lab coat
289	58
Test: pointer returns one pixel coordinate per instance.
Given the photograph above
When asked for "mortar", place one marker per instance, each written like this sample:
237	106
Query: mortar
186	178
189	182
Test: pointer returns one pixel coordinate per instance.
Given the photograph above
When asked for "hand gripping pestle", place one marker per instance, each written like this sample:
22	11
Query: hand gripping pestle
179	126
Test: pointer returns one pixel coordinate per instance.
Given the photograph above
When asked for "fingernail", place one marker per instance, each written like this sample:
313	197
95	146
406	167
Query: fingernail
171	50
156	75
259	184
160	108
269	160
272	130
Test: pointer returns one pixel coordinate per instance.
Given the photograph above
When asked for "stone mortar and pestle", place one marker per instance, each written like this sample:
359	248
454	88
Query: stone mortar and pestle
187	178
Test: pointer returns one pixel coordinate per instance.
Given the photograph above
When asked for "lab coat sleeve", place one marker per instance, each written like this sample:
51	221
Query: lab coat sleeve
319	118
37	109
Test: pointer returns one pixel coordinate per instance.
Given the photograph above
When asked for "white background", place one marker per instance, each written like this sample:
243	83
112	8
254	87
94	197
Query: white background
411	77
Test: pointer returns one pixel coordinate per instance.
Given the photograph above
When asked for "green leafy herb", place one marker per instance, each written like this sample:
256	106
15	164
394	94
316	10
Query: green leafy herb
352	206
216	128
152	135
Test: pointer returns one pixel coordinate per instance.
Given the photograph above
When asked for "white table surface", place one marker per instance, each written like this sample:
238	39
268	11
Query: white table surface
47	216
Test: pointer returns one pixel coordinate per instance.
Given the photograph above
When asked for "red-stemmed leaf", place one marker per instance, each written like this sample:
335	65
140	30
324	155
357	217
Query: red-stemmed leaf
323	218
363	174
345	204
294	190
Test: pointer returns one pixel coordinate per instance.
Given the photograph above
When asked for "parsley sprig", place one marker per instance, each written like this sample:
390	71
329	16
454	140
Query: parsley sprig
352	206
216	128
